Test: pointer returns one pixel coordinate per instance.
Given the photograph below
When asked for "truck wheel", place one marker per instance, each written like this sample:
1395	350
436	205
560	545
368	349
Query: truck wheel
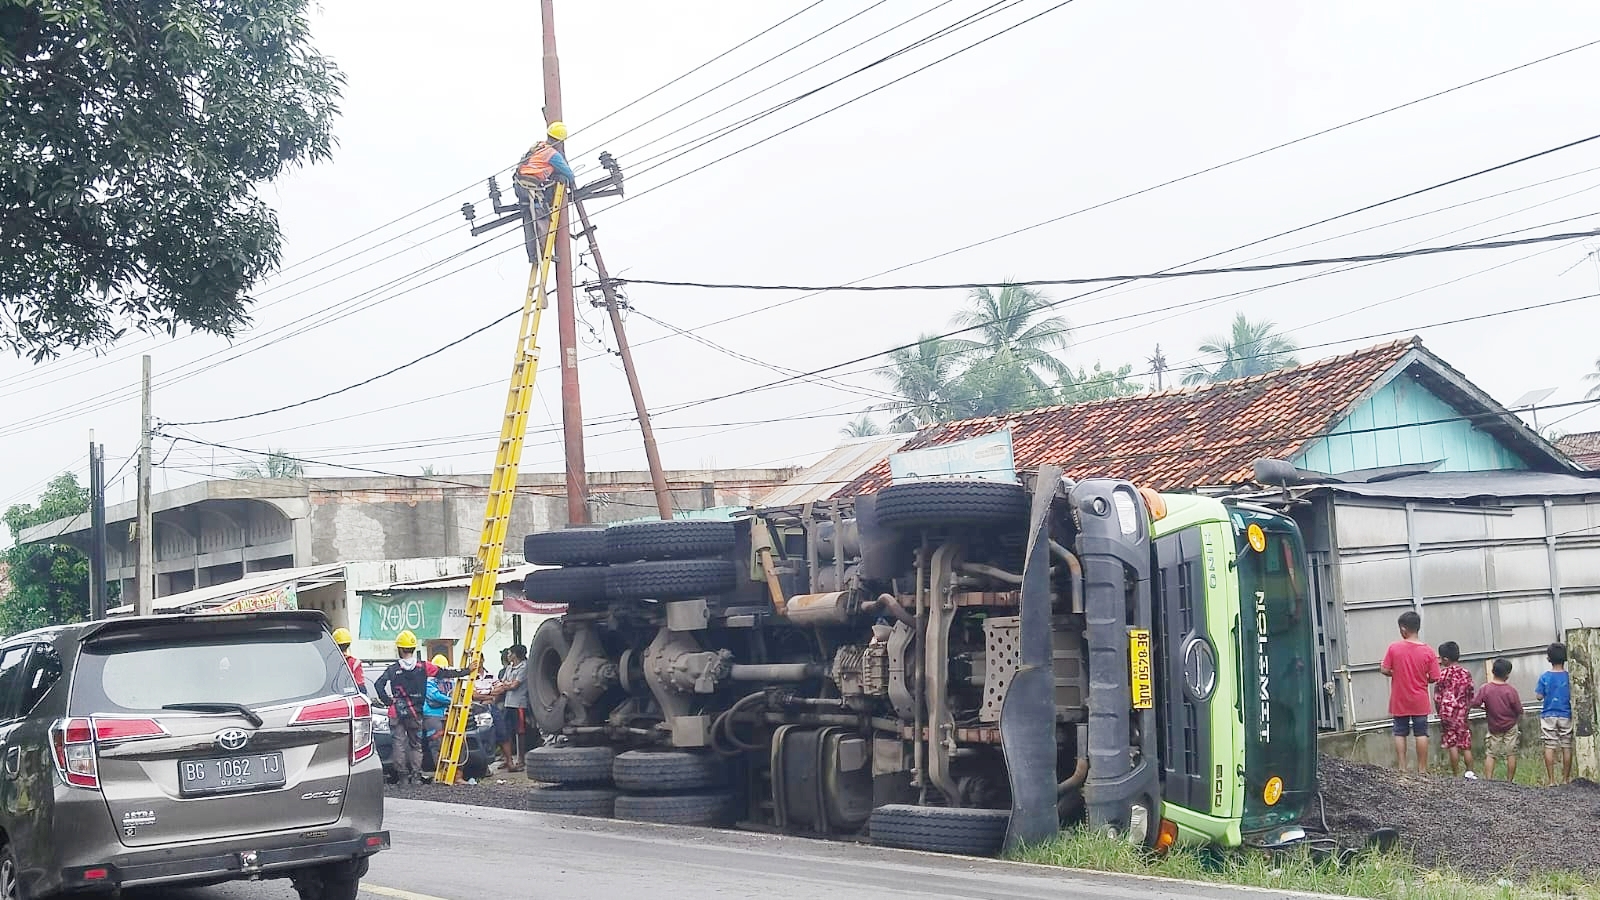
678	579
667	770
545	655
718	808
969	832
685	539
923	503
575	585
567	547
569	765
573	801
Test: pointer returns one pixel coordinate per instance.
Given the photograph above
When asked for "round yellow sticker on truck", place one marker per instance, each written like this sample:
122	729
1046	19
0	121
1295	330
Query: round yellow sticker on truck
1273	791
1256	537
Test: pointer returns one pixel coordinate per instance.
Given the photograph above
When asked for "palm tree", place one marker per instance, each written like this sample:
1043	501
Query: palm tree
861	426
922	375
1593	378
279	464
1250	348
1010	332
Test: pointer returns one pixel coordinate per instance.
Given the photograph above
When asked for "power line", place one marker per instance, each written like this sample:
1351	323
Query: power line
1146	276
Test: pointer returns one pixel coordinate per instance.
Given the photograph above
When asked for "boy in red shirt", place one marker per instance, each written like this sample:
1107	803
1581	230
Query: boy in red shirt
1452	696
1411	666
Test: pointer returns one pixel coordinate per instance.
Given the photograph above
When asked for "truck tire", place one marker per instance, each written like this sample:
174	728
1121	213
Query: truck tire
719	808
677	579
969	832
545	655
657	771
582	584
685	539
567	547
570	765
920	504
569	800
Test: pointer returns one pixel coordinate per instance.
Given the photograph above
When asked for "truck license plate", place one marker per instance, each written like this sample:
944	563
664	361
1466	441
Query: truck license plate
1142	669
228	774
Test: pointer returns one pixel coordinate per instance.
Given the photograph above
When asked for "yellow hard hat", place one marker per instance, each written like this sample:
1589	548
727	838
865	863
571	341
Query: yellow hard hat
405	640
440	661
557	131
341	636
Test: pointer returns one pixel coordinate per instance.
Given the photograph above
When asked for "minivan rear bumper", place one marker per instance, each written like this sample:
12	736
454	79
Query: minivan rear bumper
208	863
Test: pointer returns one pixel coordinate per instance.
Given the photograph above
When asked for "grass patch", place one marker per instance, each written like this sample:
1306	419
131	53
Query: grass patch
1391	876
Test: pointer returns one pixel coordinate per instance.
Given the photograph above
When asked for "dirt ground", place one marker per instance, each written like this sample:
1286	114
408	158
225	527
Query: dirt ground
1482	828
502	790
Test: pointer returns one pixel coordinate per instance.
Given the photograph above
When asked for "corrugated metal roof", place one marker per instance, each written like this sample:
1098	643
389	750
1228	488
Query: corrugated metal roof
1473	486
508	575
828	475
254	583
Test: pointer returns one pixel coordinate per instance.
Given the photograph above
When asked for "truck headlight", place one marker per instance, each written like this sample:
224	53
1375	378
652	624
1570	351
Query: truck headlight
1199	669
1127	512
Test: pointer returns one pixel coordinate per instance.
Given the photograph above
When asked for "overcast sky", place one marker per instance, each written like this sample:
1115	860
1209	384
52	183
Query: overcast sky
1086	103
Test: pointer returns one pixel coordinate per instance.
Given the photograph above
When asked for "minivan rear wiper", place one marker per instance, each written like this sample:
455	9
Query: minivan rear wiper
221	706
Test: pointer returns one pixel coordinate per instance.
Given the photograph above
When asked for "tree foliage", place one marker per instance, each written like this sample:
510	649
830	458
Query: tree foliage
135	135
1249	348
278	464
861	426
1594	379
49	582
1085	386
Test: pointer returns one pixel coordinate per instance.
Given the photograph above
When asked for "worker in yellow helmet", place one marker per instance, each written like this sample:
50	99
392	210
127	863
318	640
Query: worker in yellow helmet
436	703
535	183
404	688
342	637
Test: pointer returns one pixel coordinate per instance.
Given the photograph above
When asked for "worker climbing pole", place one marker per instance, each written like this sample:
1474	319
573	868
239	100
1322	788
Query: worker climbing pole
503	482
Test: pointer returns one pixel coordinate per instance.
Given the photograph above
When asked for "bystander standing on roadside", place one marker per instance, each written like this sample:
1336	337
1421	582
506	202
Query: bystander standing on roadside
1554	691
1411	666
1502	706
513	689
1452	696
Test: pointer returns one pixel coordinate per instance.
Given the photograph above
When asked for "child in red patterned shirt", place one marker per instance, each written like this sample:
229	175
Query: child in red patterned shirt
1452	696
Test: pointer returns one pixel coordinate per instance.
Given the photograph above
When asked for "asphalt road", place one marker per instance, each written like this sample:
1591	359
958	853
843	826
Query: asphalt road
450	852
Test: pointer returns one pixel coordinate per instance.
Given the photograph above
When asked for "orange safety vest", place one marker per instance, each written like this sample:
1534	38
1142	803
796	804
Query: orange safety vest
536	165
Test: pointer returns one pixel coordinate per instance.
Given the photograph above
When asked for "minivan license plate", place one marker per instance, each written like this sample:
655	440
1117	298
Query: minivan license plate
227	774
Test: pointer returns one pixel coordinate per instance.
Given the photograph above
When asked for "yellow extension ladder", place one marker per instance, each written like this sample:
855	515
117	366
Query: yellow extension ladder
502	491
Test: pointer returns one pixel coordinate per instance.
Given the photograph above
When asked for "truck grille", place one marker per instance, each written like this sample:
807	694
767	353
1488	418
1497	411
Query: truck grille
1179	607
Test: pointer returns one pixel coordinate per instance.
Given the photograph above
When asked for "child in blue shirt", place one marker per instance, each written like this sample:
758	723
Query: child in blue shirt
1555	718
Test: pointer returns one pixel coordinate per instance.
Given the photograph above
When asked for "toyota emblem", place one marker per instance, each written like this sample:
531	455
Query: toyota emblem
232	739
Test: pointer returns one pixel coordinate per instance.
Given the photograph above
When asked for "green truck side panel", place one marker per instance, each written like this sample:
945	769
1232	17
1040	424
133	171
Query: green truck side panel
1387	430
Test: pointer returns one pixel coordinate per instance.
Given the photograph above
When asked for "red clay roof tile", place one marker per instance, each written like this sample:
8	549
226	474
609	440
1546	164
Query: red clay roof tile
1181	438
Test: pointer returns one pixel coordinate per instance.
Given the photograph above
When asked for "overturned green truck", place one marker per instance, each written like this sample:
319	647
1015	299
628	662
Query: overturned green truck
959	666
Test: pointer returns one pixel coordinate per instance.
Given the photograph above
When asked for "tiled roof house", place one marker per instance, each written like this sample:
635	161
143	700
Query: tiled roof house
1395	404
1582	448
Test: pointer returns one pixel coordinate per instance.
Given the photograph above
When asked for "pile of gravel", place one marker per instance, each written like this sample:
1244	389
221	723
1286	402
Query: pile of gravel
1481	828
505	791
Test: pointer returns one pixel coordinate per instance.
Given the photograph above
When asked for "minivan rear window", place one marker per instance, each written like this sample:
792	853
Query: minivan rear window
258	670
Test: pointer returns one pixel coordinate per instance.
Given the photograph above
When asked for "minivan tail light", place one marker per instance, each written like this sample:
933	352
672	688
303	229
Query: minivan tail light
336	710
72	741
106	730
354	710
360	729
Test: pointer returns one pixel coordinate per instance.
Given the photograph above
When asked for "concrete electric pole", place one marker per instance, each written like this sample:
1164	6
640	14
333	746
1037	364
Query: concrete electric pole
146	526
566	312
97	530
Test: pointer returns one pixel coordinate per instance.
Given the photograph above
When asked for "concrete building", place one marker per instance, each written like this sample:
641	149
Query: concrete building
213	532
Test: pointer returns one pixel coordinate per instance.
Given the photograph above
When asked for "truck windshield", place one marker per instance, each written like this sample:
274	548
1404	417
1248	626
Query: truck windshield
1276	638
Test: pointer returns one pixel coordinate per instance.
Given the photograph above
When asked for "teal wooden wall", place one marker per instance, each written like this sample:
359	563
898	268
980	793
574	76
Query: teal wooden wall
1403	402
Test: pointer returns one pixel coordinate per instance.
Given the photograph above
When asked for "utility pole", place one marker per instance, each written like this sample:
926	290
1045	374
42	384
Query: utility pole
658	478
566	311
146	527
97	530
1158	365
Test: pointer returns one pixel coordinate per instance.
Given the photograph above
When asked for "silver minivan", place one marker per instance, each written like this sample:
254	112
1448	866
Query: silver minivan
189	750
